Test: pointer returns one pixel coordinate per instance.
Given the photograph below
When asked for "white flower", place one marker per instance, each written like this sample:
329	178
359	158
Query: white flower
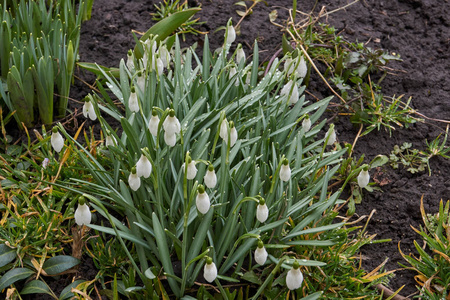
232	72
57	140
83	215
230	34
140	82
298	67
286	90
224	132
89	111
202	201
191	170
143	167
331	137
285	171
170	139
159	66
210	270
164	55
45	163
153	124
133	180
261	254
171	124
294	277
133	103
210	178
364	177
130	60
306	124
240	55
110	140
262	211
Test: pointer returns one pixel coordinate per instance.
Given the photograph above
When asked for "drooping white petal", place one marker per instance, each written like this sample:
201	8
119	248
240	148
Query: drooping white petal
110	140
286	88
57	141
134	181
153	125
202	202
170	139
191	170
172	125
85	109
294	95
240	55
83	215
261	255
140	83
130	61
133	104
363	178
302	69
331	138
289	66
306	124
224	129
143	167
285	172
159	66
233	136
262	213
230	34
210	272
232	72
294	279
164	55
210	179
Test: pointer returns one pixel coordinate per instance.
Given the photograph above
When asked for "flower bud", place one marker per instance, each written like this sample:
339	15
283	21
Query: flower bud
240	54
331	137
294	277
306	124
130	60
230	34
210	270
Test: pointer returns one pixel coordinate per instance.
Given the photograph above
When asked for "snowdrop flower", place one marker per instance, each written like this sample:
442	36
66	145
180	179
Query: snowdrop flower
224	132
240	54
143	167
45	163
210	270
133	103
170	139
57	140
83	215
154	123
158	65
89	111
364	177
202	201
210	178
140	81
306	124
110	140
331	136
285	170
191	169
286	90
261	253
230	34
262	211
164	55
130	60
298	67
171	124
133	180
232	72
294	277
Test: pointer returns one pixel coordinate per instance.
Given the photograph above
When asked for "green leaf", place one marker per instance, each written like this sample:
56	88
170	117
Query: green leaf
59	264
36	287
14	275
7	255
66	292
251	277
378	161
166	27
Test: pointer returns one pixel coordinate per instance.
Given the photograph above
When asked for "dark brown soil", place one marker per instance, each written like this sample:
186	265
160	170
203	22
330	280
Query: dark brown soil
418	30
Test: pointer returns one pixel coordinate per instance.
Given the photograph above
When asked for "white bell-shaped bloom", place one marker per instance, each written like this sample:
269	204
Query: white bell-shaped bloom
171	124
154	123
159	66
261	254
140	82
285	171
210	178
364	177
133	103
130	60
83	215
191	170
57	140
224	132
210	270
170	139
240	54
89	111
133	180
230	34
297	66
202	201
110	140
164	54
306	123
232	72
294	277
262	211
331	135
286	90
143	167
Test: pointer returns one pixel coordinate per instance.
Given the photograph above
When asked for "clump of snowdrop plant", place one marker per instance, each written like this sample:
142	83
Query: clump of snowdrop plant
170	215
